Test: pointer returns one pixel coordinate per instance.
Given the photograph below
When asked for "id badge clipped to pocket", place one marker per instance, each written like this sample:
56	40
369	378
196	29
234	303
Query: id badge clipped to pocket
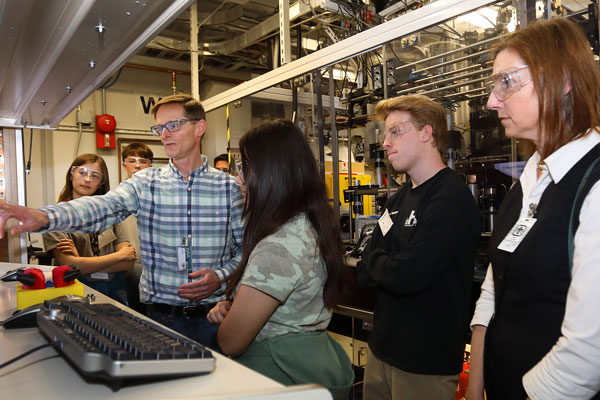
184	256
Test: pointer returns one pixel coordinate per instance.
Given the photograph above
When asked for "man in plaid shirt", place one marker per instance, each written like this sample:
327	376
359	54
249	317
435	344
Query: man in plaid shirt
189	222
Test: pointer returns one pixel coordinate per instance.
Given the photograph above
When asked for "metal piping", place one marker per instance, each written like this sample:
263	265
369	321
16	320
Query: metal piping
443	64
137	132
452	86
194	65
335	166
466	92
156	69
456	71
478	96
427	85
79	130
171	71
448	53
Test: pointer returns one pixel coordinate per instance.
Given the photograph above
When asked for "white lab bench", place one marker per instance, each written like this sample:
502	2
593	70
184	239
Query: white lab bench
45	374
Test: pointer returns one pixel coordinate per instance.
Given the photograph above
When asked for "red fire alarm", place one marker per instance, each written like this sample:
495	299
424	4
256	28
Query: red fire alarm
105	131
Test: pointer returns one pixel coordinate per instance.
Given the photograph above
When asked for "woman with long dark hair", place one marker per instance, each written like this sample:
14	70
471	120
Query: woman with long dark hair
290	275
101	257
536	330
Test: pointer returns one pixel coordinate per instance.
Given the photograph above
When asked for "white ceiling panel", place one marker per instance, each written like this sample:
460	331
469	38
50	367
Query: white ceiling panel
53	53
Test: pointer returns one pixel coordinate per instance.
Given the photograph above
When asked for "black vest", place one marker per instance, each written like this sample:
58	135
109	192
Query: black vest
530	284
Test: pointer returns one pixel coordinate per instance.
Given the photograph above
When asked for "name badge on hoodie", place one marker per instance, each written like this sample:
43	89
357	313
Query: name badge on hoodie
385	222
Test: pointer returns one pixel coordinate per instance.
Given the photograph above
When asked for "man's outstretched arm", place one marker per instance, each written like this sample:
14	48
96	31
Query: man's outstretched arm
30	219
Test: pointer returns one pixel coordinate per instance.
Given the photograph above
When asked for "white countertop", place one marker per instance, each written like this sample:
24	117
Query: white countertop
45	374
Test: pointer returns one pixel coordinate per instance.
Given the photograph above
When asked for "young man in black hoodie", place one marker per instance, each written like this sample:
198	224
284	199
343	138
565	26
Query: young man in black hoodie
420	259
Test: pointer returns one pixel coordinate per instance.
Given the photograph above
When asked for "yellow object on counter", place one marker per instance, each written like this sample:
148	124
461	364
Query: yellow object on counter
26	298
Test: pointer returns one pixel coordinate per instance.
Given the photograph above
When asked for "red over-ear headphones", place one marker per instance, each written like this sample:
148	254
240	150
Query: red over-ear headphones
33	278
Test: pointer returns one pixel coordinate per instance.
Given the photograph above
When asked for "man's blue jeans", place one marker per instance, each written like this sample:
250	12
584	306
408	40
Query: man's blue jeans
199	329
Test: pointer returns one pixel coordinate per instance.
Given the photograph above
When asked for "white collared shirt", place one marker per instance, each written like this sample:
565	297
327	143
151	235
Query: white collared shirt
572	368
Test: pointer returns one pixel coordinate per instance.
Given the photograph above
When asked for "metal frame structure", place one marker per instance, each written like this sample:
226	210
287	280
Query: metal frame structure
303	98
428	15
285	47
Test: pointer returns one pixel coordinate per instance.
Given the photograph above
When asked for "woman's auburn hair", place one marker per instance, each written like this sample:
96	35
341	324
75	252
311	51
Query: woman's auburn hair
565	76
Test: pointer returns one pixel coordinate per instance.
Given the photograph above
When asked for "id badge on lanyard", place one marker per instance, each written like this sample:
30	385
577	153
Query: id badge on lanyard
516	234
184	255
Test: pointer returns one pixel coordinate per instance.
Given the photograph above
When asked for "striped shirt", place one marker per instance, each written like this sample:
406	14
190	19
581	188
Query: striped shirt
204	213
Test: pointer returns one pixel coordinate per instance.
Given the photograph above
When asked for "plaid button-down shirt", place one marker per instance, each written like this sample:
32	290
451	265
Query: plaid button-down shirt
204	213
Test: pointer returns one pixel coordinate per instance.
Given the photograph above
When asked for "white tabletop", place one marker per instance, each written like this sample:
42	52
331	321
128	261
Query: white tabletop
45	374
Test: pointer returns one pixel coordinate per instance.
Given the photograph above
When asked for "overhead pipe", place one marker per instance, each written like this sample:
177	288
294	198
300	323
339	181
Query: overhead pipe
478	96
157	69
76	128
172	71
452	86
427	85
450	52
448	96
456	60
79	130
453	72
194	67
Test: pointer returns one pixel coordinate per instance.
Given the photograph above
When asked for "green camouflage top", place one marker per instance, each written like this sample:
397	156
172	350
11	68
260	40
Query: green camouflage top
288	266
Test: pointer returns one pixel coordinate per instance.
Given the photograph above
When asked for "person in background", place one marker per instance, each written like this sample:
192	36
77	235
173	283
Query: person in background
420	261
537	317
135	156
104	256
221	162
290	275
189	222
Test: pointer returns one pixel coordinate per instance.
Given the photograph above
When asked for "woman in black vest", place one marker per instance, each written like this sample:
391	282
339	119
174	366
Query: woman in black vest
536	329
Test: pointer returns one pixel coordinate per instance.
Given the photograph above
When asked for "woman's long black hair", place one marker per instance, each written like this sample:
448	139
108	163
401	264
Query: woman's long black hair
282	180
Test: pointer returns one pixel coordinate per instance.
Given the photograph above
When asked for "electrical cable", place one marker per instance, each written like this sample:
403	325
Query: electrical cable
27	171
28	167
17	358
116	78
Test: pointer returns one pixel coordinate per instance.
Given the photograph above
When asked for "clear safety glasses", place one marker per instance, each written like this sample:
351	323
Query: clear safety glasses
137	160
393	130
505	83
85	173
